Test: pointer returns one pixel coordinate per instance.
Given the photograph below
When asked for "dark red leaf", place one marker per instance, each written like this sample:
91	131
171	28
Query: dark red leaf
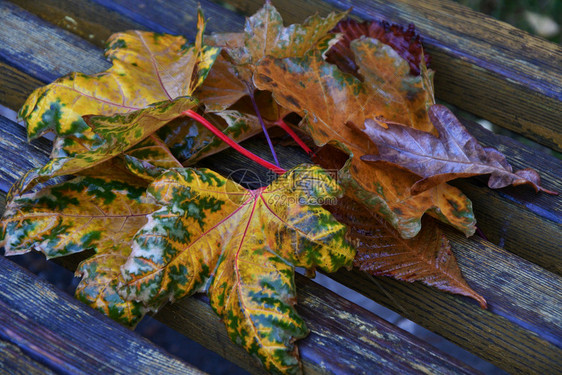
405	41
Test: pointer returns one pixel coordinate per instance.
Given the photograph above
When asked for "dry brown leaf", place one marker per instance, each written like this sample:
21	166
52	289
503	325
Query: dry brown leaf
381	251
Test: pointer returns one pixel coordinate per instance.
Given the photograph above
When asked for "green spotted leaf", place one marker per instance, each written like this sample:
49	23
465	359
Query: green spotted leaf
84	213
240	247
147	68
120	133
101	276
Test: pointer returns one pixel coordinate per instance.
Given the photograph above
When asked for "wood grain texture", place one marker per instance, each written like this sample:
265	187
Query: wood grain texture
516	218
15	86
31	45
521	332
66	336
18	155
344	337
177	17
484	66
96	20
15	362
84	18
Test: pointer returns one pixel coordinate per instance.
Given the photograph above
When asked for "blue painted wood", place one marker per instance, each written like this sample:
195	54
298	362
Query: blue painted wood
65	336
18	156
33	46
176	17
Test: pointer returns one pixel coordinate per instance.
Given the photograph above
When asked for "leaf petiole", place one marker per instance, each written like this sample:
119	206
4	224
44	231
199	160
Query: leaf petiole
231	143
293	135
260	119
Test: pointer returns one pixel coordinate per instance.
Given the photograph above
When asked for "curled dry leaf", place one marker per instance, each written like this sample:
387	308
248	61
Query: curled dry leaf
455	153
381	251
240	247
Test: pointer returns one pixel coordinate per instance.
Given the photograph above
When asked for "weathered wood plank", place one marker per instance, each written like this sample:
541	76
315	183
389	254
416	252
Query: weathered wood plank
15	362
18	155
15	86
84	18
484	66
525	223
66	336
32	46
96	20
177	18
521	332
344	338
514	227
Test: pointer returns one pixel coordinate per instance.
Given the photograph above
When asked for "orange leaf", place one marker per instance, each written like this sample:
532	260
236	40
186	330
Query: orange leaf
329	100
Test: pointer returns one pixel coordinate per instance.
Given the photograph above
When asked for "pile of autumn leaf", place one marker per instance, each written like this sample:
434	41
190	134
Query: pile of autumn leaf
162	230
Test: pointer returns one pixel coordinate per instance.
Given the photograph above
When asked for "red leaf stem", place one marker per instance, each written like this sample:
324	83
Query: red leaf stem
231	143
293	135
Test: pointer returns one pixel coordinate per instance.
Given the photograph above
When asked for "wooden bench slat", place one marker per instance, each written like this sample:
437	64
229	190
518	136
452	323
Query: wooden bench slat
81	17
16	362
484	66
516	218
344	338
15	86
62	334
96	20
37	53
177	18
